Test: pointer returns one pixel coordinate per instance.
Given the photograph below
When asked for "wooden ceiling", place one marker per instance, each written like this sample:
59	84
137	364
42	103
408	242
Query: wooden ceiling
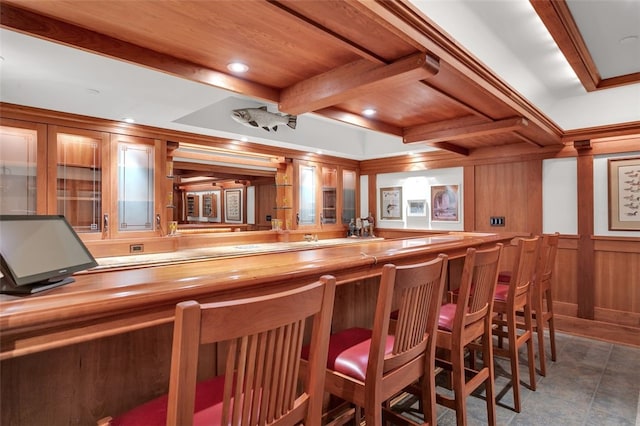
332	57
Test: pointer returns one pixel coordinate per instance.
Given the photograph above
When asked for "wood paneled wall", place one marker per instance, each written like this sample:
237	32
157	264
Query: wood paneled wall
597	278
512	190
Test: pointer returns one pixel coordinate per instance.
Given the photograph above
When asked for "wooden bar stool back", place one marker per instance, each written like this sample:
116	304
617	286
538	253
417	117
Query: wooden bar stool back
368	367
509	300
467	323
543	297
263	339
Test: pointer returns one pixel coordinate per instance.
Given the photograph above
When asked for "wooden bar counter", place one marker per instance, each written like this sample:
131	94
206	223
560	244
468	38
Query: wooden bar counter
102	344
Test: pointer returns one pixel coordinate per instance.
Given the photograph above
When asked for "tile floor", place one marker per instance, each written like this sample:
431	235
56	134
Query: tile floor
592	383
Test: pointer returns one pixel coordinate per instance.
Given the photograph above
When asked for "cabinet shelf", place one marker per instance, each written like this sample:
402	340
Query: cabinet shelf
282	208
78	199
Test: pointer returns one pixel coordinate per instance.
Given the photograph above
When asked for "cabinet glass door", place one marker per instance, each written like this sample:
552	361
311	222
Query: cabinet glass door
18	170
80	178
348	196
135	171
307	207
329	199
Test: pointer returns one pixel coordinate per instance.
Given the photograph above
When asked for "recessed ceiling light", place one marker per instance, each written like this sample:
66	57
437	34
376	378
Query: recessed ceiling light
369	112
128	120
237	67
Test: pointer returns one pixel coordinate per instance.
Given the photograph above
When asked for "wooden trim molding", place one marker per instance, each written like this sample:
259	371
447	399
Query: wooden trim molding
608	332
608	131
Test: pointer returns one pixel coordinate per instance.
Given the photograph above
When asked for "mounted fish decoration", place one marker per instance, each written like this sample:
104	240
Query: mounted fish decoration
260	117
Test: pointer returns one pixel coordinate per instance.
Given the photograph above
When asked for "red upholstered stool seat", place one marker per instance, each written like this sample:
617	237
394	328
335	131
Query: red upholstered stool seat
208	407
447	314
502	290
504	276
349	351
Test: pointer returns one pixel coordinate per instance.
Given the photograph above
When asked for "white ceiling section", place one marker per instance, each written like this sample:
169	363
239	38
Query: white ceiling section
612	34
506	35
509	37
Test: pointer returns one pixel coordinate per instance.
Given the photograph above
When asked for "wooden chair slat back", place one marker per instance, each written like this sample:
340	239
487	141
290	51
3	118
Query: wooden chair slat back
263	338
418	290
479	279
547	259
525	263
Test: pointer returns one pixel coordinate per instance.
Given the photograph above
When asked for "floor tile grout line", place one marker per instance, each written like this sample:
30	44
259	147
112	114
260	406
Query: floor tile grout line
595	391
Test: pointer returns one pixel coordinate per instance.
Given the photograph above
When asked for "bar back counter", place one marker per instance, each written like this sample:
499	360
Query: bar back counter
102	344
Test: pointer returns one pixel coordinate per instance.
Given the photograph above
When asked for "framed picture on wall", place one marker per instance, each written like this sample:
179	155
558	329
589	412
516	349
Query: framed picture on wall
417	208
233	204
391	203
624	194
445	205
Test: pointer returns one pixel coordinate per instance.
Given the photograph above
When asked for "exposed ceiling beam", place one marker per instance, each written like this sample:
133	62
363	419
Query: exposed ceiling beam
71	35
324	30
427	134
359	120
527	140
406	20
557	17
353	80
451	148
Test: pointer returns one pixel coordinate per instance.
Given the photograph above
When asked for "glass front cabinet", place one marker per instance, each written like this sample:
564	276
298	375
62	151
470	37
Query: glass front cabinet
326	195
103	183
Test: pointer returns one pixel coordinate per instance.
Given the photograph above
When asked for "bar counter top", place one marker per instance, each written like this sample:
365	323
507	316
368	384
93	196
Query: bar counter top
110	302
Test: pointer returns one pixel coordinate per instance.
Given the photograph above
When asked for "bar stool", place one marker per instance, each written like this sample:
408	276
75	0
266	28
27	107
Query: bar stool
263	337
368	367
509	299
542	296
465	323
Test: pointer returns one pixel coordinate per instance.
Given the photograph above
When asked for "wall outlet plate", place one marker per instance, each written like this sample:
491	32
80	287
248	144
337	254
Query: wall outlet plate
496	221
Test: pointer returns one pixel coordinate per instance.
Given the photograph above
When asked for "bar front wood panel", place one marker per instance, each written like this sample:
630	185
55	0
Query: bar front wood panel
102	344
109	303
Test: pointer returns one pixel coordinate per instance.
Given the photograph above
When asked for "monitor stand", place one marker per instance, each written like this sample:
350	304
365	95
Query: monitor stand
8	288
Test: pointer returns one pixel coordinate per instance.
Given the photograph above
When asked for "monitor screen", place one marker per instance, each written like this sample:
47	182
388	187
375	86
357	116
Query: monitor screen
39	252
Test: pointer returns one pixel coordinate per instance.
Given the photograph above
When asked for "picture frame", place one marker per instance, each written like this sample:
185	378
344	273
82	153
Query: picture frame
624	194
233	204
416	207
445	203
391	203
